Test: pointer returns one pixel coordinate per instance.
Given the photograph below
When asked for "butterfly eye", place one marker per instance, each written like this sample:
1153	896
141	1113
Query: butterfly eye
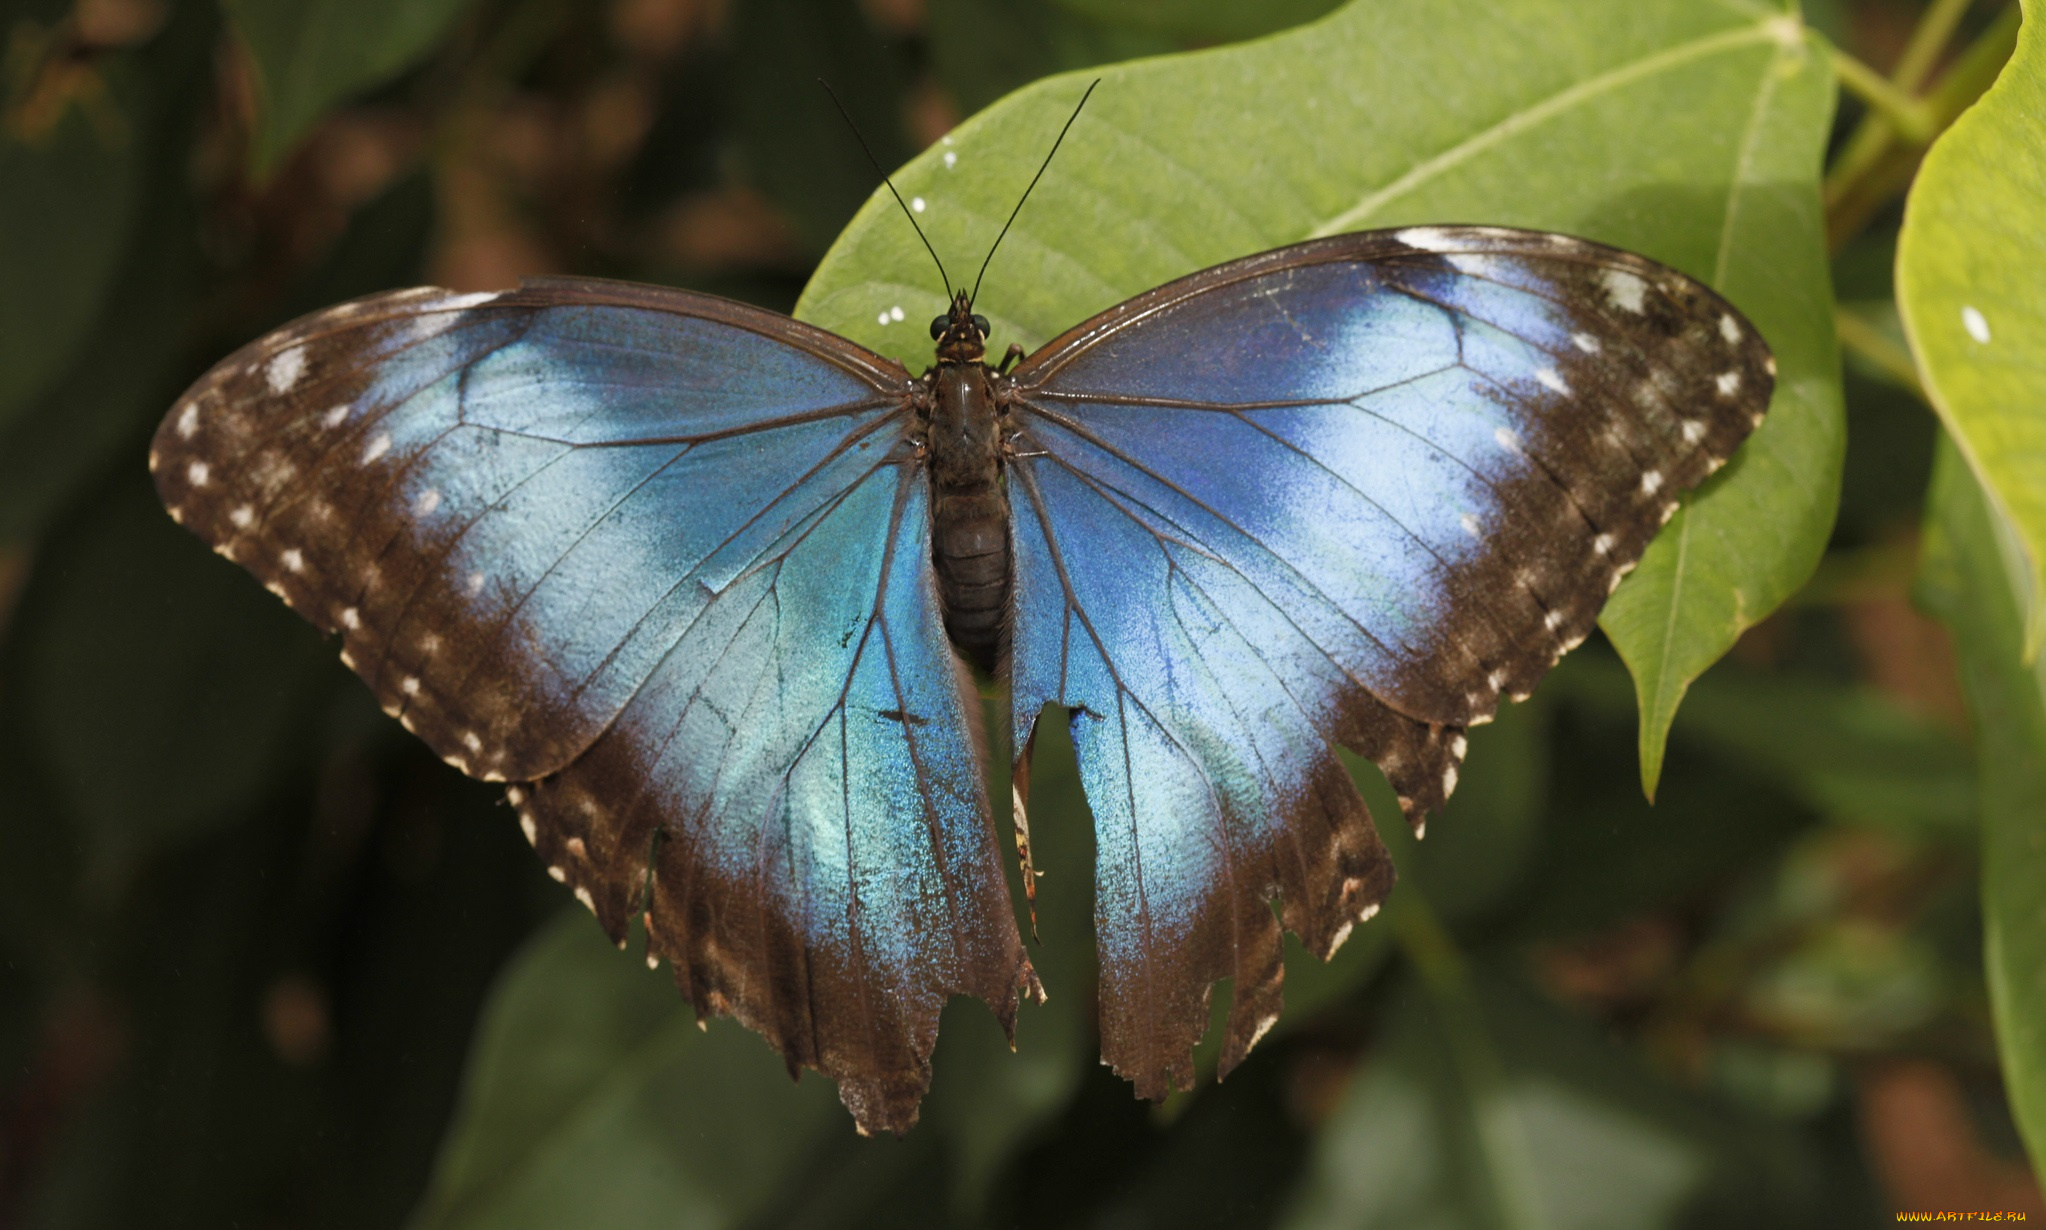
938	324
980	323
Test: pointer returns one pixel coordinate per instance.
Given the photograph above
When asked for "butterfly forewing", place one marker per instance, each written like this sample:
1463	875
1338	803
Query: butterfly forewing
666	556
1350	492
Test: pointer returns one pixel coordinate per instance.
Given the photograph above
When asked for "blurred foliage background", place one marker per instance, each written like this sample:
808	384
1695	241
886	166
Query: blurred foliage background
264	962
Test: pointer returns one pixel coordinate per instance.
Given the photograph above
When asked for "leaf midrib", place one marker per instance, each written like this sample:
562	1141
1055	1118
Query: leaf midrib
1768	29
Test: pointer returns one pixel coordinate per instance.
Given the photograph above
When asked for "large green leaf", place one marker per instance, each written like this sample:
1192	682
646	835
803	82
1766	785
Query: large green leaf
1969	580
1969	267
311	54
1690	132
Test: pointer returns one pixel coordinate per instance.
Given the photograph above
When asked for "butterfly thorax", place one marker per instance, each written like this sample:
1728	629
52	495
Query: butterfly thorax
969	510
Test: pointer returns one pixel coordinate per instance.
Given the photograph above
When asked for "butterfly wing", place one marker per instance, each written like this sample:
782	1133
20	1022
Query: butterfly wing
664	558
1349	492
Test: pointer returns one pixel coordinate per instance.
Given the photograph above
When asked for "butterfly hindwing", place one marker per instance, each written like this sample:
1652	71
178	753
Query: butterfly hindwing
665	558
1352	492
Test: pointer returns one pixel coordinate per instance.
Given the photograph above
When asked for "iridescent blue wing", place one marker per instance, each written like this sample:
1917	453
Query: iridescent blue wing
1345	493
665	560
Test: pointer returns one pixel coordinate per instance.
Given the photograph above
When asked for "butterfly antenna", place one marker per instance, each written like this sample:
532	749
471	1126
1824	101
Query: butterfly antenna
1026	192
847	116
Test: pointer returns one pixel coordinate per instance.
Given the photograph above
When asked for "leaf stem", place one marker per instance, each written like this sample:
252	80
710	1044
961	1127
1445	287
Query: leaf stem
1877	162
1928	39
1904	115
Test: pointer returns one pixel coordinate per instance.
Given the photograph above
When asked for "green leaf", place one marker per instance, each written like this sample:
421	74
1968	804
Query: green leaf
593	1098
1970	582
1688	132
1968	267
67	201
1491	1108
312	54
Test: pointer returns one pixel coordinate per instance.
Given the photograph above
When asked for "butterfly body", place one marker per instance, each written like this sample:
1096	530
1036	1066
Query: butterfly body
959	412
696	581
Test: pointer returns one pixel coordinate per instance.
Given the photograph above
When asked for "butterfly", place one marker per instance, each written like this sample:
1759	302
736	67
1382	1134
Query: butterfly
706	587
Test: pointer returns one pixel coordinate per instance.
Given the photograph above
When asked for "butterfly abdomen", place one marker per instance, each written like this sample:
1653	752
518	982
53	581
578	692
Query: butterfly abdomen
969	510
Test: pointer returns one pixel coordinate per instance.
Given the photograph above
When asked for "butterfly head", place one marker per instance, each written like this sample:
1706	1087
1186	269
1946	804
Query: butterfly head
961	335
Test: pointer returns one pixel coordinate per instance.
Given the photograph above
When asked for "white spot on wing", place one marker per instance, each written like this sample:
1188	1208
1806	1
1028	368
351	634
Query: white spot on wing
559	873
531	830
284	371
1729	328
351	618
292	560
411	685
1694	431
1457	744
197	473
428	501
1426	238
1553	620
1585	342
335	417
1976	324
1471	527
1448	781
188	421
472	741
1548	379
1624	290
377	448
243	516
582	894
1728	382
1603	544
1507	440
1651	482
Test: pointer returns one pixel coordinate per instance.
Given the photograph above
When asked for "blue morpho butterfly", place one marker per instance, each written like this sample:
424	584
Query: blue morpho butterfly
702	581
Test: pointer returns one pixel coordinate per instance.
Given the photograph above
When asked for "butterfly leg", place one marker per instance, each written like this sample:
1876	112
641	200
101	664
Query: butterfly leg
1009	360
